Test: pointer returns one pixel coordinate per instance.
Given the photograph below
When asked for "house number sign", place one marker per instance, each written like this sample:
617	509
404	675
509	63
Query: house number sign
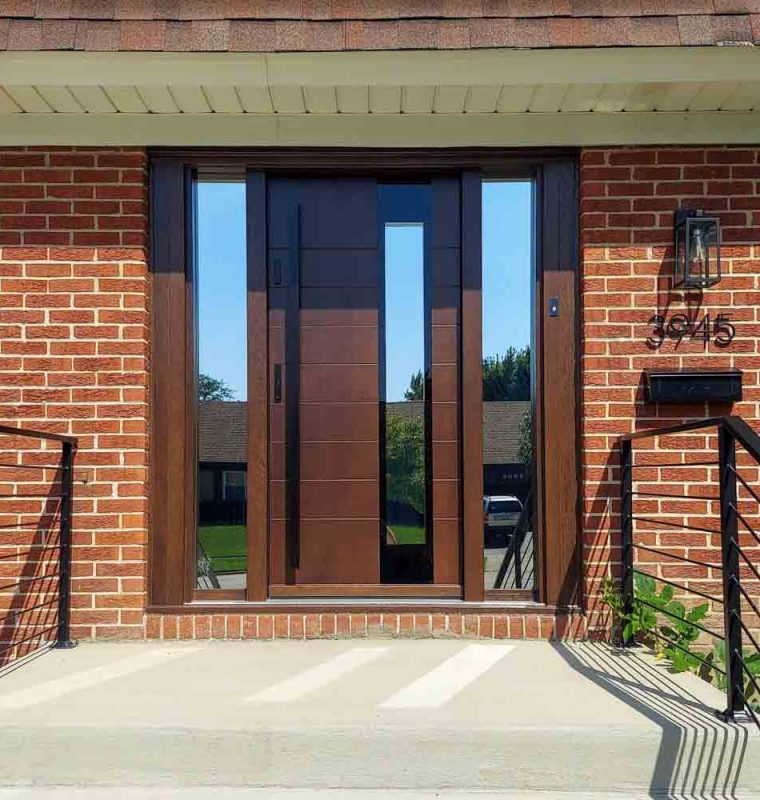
678	326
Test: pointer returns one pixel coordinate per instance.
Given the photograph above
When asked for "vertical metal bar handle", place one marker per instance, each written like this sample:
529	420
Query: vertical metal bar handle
63	640
626	520
729	532
293	396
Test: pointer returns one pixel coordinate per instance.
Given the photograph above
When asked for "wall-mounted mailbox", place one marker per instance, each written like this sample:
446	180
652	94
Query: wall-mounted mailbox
693	386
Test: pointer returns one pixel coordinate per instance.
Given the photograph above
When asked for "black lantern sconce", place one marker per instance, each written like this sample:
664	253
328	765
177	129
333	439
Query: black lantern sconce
697	250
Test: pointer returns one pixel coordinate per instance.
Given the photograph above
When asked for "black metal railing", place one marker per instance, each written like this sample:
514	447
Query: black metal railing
734	558
36	496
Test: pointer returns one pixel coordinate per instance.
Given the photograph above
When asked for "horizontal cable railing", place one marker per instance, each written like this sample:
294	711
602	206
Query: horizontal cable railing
734	561
36	496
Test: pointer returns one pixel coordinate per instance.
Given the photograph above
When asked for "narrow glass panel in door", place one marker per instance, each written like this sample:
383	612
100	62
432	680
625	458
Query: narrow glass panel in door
508	384
405	377
221	380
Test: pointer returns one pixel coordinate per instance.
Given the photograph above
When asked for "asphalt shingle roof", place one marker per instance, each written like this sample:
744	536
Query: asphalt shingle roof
315	25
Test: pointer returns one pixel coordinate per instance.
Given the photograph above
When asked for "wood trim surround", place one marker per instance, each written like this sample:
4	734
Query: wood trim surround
169	445
190	382
257	514
411	162
216	595
555	175
558	262
471	367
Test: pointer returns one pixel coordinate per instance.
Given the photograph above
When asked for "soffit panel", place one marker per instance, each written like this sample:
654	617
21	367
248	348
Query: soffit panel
279	88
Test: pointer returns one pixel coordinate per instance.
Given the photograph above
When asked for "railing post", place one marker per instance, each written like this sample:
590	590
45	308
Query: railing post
729	532
626	521
64	568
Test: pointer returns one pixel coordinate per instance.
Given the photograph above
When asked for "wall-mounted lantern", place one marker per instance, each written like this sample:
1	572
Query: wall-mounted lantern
697	249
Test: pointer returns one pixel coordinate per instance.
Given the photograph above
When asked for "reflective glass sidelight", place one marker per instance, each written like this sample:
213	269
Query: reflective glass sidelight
405	515
221	362
405	382
508	385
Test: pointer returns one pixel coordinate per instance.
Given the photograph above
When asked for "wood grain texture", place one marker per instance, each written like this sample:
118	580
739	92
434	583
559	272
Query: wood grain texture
257	514
472	388
339	422
560	477
339	551
349	499
336	283
321	344
560	559
168	554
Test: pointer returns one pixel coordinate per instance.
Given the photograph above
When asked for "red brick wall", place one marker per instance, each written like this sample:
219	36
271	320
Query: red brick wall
74	340
510	625
74	359
628	198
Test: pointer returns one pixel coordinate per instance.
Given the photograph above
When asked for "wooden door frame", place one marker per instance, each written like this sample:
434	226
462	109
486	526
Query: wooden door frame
172	514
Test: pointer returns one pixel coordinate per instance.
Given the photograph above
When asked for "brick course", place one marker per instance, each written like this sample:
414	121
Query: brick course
74	355
628	196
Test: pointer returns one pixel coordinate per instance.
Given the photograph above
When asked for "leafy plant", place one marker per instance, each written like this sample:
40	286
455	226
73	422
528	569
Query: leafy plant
213	389
525	441
405	460
656	612
507	377
717	658
416	390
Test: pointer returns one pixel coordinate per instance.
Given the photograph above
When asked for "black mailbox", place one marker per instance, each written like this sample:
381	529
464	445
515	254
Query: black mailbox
693	386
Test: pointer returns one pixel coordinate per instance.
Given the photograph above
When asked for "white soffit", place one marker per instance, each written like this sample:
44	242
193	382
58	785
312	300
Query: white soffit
435	98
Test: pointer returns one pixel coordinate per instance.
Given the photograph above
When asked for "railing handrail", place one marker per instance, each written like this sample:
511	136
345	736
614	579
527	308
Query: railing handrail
68	449
744	434
10	430
731	430
748	437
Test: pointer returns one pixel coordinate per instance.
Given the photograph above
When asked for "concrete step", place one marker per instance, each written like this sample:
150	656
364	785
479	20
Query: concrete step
370	716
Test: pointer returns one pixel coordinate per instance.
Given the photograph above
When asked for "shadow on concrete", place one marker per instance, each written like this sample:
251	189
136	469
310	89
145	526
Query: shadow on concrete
699	756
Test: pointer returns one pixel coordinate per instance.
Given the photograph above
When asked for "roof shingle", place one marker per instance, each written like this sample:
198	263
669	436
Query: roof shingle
315	25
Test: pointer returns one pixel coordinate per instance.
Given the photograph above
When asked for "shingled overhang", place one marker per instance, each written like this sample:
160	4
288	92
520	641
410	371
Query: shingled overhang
344	72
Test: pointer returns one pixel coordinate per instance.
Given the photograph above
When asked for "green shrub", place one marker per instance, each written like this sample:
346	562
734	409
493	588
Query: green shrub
656	617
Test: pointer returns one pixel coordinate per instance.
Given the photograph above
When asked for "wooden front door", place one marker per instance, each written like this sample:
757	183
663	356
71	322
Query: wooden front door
363	483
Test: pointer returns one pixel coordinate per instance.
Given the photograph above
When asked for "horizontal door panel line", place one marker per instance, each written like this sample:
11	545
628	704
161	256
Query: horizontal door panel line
304	440
333	518
319	402
340	480
347	326
306	363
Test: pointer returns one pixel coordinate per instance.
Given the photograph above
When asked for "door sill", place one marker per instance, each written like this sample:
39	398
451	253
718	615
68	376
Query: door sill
367	590
388	605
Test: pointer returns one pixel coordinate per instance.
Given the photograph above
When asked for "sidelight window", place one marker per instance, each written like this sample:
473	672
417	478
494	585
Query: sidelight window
405	388
221	381
508	386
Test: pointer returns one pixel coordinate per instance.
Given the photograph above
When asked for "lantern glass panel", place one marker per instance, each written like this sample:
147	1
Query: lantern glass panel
703	268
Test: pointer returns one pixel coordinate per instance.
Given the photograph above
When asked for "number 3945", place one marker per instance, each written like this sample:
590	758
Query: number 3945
679	326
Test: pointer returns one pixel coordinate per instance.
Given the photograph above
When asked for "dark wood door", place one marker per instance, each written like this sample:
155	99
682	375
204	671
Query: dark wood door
325	257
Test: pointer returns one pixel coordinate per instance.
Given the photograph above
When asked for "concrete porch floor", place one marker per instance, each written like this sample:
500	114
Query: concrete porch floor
365	719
